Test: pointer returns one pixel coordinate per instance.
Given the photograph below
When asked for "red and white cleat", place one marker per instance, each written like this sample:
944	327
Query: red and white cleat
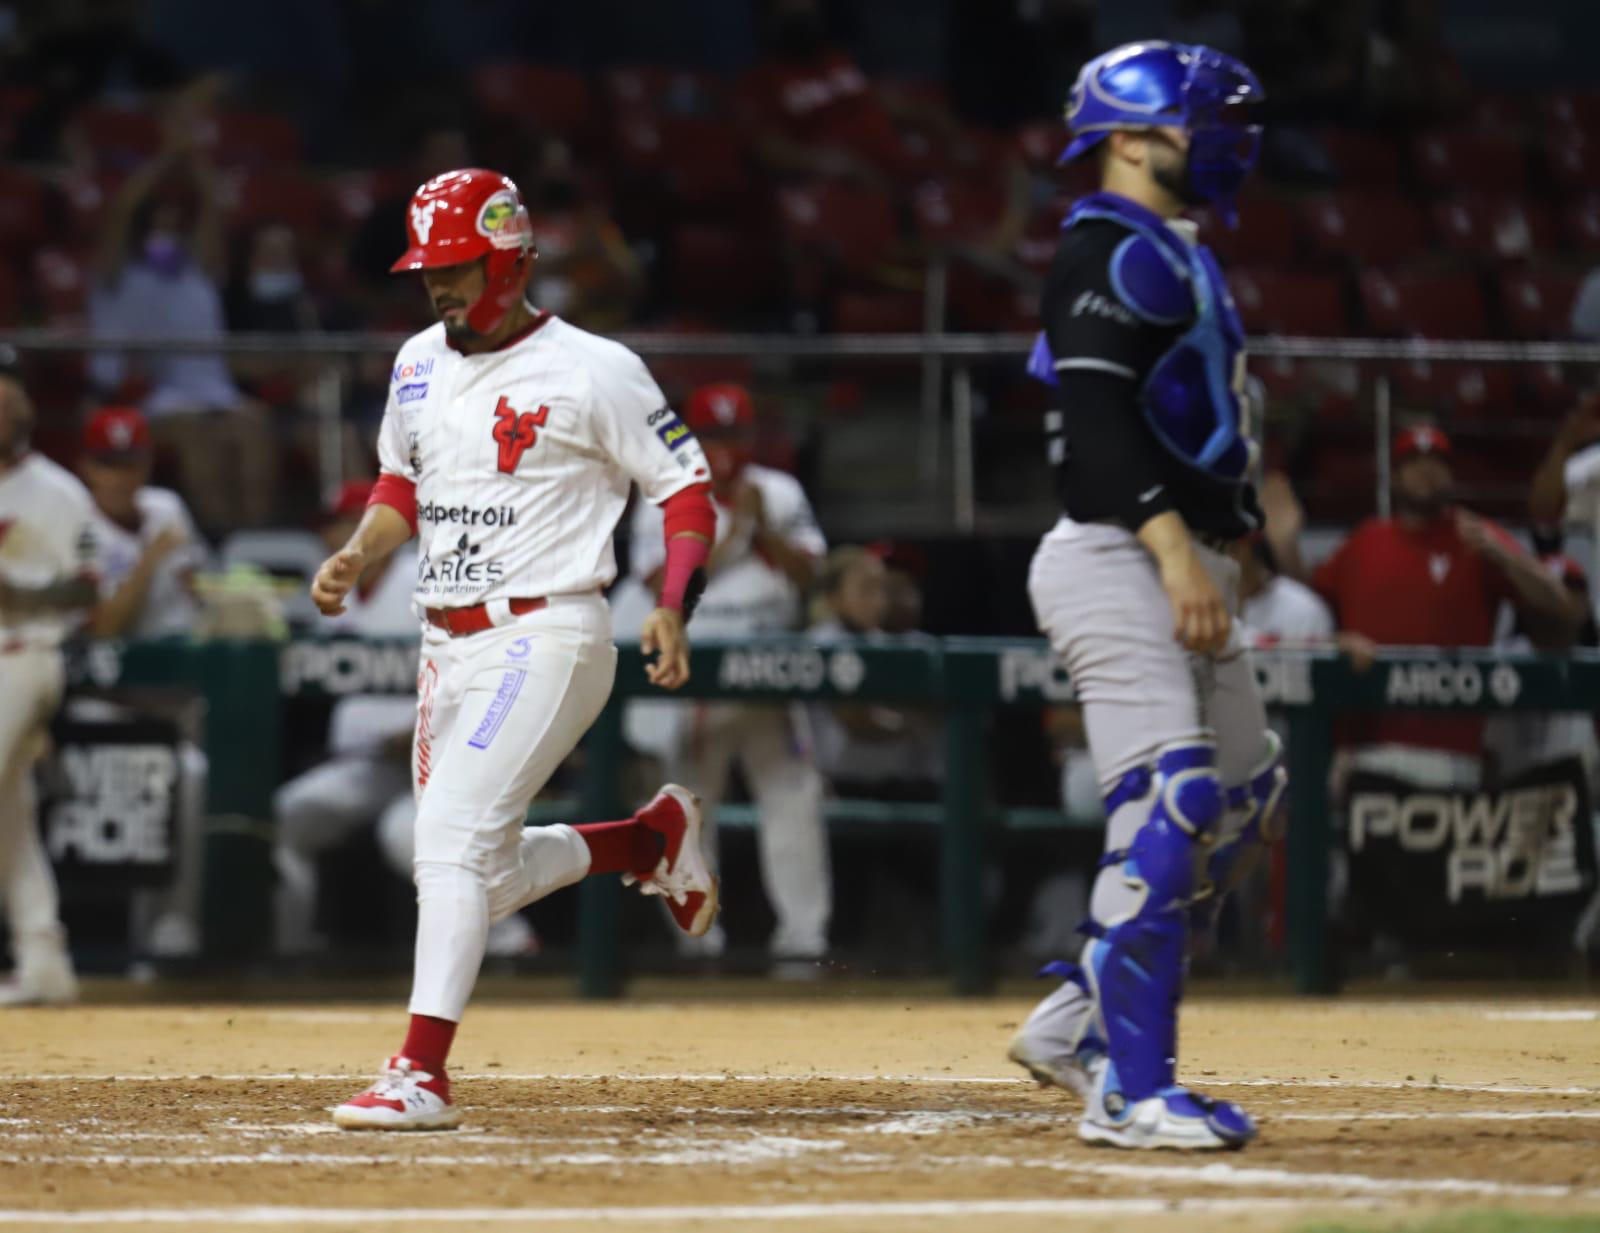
682	876
405	1097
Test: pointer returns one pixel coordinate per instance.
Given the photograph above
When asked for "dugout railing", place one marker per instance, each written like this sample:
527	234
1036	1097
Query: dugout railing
942	451
244	685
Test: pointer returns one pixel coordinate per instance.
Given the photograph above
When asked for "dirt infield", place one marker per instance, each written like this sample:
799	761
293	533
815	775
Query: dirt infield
811	1113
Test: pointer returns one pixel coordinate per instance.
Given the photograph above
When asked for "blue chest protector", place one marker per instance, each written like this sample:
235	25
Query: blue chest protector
1190	397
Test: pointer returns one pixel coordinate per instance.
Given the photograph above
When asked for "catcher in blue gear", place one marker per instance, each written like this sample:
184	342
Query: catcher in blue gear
1134	586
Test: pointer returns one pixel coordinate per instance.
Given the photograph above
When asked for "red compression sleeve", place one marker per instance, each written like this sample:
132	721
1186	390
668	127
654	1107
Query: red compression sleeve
399	494
687	511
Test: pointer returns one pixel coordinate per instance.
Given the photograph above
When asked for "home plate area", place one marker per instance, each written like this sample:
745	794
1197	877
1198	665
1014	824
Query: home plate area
1375	1110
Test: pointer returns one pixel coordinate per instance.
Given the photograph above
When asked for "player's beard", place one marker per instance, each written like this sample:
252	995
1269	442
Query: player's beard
1172	174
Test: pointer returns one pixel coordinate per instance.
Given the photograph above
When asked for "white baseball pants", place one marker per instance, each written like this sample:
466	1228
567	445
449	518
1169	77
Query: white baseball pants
497	713
30	691
792	838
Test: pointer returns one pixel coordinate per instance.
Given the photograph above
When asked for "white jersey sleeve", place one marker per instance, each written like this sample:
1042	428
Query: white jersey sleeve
642	433
1581	476
789	514
646	550
395	455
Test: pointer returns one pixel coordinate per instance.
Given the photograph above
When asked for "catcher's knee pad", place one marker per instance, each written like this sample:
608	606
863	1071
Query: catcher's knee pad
1255	816
1134	963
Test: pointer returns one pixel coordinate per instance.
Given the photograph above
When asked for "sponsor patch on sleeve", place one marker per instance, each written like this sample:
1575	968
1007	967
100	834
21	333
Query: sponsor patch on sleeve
673	432
411	392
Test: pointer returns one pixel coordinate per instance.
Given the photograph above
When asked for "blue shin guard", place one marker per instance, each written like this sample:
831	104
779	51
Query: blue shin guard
1135	963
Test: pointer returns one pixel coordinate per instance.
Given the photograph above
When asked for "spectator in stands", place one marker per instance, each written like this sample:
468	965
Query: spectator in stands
159	274
1274	609
811	109
767	547
147	553
1521	740
867	749
586	273
369	740
1566	486
1433	575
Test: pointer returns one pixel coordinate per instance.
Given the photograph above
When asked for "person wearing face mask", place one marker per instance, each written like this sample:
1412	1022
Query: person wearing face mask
159	274
1435	575
271	296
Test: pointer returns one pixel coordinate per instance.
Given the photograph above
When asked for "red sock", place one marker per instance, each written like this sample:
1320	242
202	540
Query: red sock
621	847
428	1042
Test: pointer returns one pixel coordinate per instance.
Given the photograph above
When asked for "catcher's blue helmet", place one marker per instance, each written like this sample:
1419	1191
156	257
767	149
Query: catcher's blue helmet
1203	91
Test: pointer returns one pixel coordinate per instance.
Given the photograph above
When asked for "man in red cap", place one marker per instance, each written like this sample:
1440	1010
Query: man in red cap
149	548
147	553
509	445
768	545
1433	575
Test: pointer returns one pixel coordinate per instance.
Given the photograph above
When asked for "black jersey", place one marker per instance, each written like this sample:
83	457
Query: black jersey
1109	463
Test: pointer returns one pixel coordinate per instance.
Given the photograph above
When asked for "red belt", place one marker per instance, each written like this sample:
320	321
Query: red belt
458	622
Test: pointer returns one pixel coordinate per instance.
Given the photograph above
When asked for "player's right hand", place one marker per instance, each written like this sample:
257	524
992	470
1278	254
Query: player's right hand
664	637
335	578
1200	620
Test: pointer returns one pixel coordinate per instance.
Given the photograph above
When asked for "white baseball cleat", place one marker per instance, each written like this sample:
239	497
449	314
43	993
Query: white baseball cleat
682	877
1174	1117
1076	1074
405	1097
44	977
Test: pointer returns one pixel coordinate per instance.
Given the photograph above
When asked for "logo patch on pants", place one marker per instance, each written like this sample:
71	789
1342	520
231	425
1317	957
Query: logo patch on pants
499	708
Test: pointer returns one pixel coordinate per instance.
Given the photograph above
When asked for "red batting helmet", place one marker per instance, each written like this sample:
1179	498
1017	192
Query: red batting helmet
464	215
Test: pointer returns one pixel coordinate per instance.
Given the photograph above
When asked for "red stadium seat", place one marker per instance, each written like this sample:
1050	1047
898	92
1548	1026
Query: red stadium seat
116	137
1549	387
1499	112
1365	228
1268	233
877	312
1581	224
1431	305
1273	301
23	211
1041	143
1538	303
1571	110
61	280
252	139
954	212
550	100
1479	226
698	159
284	196
852	226
717	268
1573	158
657	89
10	296
1469	159
1363	160
1464	391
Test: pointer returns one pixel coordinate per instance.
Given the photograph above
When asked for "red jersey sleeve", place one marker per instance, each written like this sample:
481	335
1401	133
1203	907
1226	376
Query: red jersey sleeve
1328	577
1500	586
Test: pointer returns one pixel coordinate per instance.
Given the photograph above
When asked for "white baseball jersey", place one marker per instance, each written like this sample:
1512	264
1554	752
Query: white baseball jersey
523	458
747	595
46	536
1582	478
169	606
1286	612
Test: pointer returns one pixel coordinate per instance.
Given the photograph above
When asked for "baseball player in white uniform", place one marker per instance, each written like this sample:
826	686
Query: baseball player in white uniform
509	444
768	545
369	737
147	553
46	583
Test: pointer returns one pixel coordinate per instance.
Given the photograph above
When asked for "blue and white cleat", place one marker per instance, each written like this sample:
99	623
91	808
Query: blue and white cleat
1174	1117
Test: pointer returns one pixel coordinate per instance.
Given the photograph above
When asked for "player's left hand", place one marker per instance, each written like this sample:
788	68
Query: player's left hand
664	637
